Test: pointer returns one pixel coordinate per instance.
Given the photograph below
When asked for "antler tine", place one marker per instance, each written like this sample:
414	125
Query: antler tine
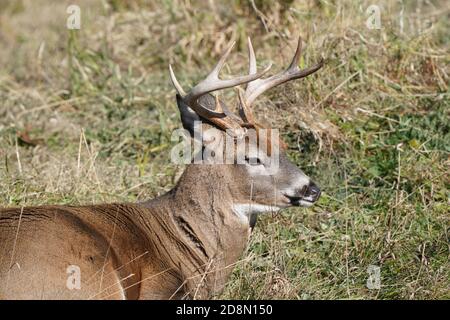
215	72
175	82
257	87
296	58
244	111
251	58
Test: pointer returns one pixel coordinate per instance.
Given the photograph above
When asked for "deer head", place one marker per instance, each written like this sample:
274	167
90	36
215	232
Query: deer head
256	185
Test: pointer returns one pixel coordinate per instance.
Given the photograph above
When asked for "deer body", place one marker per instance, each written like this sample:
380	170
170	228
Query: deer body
183	244
175	246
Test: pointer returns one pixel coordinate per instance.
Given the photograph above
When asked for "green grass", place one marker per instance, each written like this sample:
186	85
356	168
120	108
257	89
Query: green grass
87	115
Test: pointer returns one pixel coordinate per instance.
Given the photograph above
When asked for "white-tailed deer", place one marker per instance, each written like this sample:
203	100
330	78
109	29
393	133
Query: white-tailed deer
182	244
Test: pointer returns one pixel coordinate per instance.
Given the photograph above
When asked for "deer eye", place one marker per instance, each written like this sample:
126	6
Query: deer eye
253	161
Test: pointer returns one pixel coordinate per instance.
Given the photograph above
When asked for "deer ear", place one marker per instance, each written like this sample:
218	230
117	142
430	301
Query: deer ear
188	116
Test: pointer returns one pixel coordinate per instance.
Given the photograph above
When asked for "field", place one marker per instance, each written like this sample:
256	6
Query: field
86	116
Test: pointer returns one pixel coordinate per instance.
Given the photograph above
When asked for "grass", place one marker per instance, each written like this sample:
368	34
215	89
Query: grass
87	115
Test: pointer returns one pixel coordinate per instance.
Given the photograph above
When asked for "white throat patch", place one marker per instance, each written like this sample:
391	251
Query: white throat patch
243	210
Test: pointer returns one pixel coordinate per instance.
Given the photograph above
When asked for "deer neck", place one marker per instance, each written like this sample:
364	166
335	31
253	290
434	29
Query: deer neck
207	209
212	235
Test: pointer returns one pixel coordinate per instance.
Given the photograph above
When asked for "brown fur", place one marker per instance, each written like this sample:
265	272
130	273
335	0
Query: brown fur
175	246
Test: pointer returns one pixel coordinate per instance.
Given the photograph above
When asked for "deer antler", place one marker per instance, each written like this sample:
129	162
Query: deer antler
258	86
220	115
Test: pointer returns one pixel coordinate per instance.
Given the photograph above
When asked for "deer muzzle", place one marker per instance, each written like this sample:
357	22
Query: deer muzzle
306	196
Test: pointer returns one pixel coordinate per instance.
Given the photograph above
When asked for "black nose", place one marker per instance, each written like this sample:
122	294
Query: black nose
312	192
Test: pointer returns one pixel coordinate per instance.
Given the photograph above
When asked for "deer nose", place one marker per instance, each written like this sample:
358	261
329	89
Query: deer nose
312	192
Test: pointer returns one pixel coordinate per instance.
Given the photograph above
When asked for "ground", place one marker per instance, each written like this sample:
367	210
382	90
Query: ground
86	116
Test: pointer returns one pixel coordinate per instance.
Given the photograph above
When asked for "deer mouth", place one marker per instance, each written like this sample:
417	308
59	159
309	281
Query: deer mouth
300	201
307	196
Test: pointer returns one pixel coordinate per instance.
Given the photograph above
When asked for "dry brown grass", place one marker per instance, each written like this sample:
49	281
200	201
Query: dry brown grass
86	117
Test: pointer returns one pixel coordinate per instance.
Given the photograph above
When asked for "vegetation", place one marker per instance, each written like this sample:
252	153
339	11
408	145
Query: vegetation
87	116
